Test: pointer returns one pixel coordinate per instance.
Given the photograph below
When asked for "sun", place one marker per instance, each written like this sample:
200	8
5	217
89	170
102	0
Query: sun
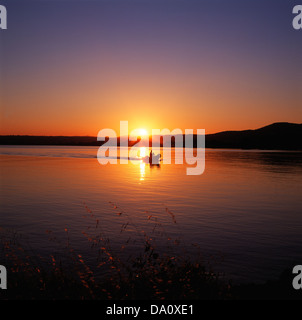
142	132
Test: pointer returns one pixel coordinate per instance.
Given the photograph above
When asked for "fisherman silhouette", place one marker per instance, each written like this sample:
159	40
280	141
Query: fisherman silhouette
154	159
151	156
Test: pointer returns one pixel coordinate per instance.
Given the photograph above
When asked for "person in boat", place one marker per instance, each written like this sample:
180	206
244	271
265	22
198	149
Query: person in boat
153	158
151	155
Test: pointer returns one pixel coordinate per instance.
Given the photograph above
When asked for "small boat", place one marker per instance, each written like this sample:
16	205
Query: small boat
155	159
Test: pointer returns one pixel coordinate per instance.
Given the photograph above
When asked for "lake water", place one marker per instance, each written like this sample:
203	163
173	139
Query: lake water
244	213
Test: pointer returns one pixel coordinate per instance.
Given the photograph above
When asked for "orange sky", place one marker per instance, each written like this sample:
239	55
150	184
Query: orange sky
190	70
46	108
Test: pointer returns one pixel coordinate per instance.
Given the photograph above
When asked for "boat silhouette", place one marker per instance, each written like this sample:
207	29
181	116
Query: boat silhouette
152	159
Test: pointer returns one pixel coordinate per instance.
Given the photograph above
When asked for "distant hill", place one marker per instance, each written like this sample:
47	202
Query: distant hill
277	136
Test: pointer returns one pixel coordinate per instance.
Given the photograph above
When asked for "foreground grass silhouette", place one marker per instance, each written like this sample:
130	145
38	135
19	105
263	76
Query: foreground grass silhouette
149	275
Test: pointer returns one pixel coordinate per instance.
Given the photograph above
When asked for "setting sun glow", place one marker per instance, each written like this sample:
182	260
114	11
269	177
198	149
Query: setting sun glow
143	132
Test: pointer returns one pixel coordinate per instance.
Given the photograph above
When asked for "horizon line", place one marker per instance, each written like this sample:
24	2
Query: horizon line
91	136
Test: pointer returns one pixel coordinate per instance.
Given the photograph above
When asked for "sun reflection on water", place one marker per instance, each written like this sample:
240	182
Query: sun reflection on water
142	166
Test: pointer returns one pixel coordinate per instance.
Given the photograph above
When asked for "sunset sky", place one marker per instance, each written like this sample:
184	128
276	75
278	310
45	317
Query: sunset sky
75	67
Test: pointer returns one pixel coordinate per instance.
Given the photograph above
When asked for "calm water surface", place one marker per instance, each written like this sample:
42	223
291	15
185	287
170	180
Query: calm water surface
243	214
